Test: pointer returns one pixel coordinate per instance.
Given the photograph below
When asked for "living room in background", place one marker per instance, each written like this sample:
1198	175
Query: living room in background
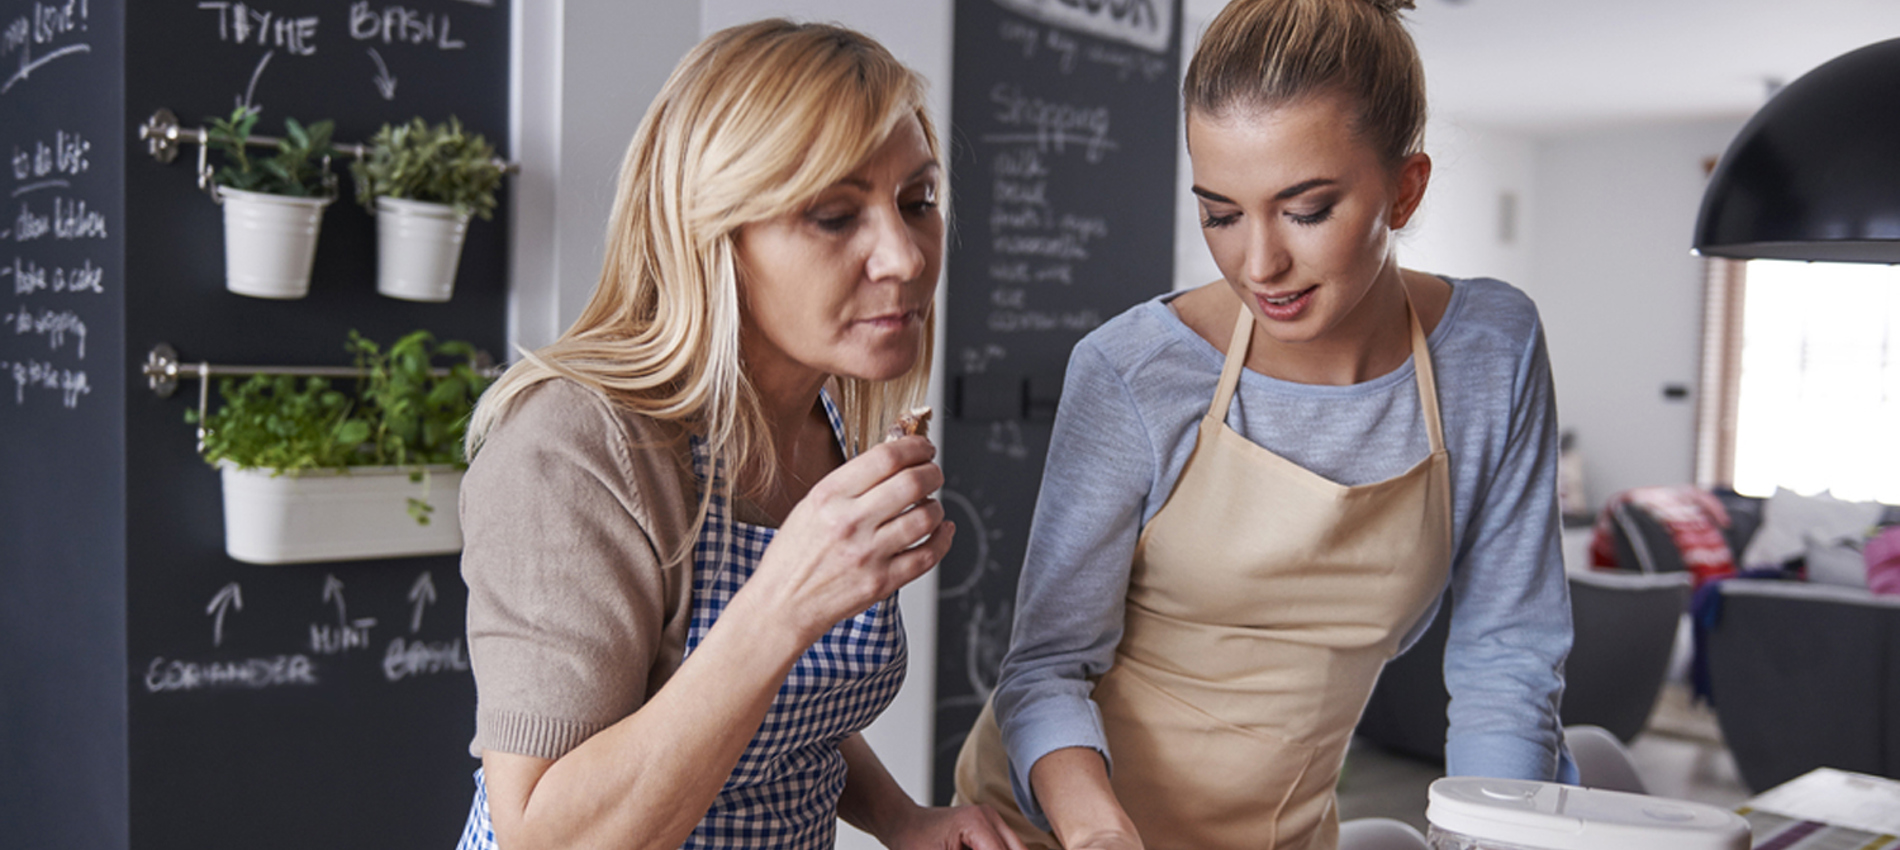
1801	379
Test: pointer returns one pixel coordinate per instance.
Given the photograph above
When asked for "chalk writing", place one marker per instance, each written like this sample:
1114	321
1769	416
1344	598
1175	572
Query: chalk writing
1067	246
978	360
347	634
66	155
53	326
1006	439
29	278
1052	126
385	81
341	638
1128	63
1031	321
1065	46
250	89
69	220
228	597
1135	22
1013	32
976	521
401	24
240	23
43	24
32	374
164	675
421	595
404	659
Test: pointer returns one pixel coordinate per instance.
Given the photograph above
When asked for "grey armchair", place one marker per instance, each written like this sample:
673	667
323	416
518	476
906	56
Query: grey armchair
1625	631
1805	676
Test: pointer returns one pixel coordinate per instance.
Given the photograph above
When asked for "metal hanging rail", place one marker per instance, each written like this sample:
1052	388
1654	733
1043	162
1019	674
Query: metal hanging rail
163	134
163	371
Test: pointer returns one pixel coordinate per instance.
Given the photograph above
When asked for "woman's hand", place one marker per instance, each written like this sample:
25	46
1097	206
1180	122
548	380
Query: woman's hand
952	828
861	532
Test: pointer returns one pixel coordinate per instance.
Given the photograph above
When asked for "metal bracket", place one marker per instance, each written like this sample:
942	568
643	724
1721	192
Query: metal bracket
162	135
163	371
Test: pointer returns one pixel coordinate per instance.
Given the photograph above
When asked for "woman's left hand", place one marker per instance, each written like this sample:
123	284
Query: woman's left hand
952	828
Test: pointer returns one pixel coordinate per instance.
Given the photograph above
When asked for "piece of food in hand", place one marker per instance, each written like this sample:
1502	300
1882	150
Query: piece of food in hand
917	421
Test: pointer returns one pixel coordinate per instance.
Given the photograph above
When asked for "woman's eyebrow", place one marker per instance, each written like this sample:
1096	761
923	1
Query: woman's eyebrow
1294	190
864	185
1303	187
1219	199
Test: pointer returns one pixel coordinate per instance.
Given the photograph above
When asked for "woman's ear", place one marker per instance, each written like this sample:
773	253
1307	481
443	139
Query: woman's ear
1414	173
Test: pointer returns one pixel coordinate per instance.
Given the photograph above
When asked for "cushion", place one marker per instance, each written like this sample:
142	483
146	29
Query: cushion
1788	519
1883	561
1837	562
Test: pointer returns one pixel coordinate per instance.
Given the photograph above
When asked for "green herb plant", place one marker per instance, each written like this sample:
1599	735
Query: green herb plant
402	414
300	169
441	163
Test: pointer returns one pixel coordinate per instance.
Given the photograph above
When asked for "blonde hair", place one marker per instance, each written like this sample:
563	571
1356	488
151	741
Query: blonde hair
753	123
1261	54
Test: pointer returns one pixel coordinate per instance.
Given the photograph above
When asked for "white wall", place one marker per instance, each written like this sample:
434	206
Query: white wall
586	71
1621	294
1466	227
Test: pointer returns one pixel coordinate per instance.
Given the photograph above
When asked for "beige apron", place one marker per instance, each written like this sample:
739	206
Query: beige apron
1263	600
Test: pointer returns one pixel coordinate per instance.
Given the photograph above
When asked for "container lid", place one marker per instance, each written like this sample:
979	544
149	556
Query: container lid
1550	816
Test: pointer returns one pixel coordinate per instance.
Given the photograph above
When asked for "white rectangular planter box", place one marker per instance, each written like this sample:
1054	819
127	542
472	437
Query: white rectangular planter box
325	515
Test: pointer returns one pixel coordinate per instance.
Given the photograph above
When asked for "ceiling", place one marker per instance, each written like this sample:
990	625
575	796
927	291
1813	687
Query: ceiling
1547	66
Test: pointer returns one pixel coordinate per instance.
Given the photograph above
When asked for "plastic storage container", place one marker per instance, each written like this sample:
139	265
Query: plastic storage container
1469	813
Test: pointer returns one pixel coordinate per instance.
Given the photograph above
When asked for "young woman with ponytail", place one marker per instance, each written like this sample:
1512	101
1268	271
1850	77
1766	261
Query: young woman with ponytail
1261	489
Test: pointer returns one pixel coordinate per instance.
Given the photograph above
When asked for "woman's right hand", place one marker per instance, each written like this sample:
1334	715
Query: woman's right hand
863	531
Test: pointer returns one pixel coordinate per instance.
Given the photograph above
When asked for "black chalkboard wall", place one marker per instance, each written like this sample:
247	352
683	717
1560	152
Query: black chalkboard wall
1063	183
118	585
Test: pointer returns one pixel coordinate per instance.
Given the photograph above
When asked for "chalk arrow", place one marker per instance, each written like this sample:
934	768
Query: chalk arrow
228	597
247	102
385	84
333	590
422	593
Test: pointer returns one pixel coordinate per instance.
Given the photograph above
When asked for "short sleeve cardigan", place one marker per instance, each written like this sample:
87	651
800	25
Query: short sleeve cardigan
573	514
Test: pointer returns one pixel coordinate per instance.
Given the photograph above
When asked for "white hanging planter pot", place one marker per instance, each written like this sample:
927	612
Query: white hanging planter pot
328	515
270	242
418	246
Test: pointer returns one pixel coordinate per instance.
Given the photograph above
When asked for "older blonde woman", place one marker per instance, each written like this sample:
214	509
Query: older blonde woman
684	537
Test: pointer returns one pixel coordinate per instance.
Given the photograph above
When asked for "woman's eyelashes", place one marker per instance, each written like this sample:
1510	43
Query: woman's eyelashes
841	218
1211	220
1310	218
921	201
833	219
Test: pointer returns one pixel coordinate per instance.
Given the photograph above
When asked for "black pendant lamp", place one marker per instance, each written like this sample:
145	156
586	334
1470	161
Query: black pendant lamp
1815	175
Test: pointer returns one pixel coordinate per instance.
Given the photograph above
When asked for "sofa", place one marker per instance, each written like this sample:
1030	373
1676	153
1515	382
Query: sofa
1800	660
1625	630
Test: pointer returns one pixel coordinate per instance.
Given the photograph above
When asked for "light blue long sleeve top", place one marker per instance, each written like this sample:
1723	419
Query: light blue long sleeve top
1135	390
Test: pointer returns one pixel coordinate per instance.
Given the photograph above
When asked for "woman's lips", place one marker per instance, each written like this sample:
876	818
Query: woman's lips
1286	308
891	321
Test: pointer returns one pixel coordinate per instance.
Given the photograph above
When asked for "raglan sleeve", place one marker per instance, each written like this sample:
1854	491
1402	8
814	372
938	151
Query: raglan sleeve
1070	600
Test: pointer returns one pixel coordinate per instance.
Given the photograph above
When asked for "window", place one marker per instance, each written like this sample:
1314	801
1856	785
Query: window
1801	370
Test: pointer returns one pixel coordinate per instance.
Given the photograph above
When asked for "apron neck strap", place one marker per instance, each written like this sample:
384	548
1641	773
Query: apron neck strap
1426	379
1230	372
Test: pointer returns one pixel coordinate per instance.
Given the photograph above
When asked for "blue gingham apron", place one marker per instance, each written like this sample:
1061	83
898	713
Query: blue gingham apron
784	791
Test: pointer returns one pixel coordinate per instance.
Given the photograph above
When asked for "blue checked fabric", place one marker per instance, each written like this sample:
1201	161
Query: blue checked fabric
784	791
